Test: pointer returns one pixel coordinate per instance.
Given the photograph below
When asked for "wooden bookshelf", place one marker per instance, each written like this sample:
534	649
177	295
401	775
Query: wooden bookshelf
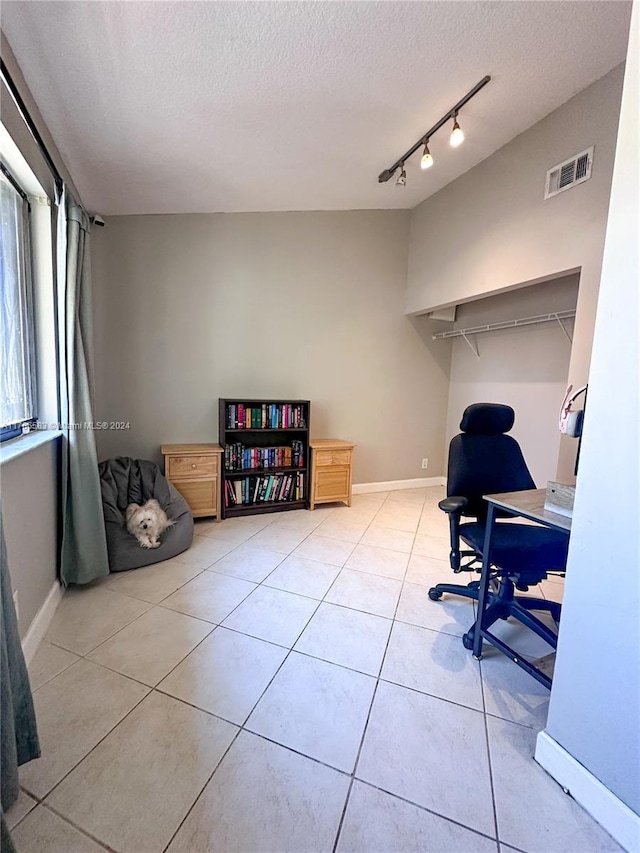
265	453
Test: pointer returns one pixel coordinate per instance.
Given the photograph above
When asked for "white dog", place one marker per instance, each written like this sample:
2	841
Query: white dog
147	523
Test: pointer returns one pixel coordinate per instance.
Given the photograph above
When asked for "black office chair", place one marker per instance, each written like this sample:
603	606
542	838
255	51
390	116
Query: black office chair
484	460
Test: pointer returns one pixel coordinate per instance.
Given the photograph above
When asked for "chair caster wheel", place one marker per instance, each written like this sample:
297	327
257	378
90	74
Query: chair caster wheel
435	594
467	641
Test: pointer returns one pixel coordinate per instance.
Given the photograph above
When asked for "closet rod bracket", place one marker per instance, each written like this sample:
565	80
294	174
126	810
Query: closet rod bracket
564	329
473	344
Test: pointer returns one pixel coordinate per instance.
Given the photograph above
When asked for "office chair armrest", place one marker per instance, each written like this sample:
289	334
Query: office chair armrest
453	504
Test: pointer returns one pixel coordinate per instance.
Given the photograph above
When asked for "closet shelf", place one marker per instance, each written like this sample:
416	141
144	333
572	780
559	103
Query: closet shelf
555	317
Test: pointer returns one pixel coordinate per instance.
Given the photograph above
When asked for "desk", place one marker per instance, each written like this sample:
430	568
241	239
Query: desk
527	504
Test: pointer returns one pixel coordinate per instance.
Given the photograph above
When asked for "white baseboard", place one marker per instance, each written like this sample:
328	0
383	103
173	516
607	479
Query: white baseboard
41	622
612	814
397	485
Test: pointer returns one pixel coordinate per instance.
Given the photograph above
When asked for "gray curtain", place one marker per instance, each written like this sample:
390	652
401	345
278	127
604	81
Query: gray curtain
84	544
18	732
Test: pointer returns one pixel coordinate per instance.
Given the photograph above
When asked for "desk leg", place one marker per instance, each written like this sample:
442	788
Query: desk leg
484	585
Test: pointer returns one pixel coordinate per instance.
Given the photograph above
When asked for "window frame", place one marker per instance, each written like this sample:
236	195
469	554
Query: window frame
27	298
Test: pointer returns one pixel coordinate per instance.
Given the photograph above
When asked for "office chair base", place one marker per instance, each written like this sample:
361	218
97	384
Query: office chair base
504	605
522	601
468	591
521	661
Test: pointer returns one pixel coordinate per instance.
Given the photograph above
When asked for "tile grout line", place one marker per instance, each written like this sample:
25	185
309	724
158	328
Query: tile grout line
241	728
95	746
484	721
428	810
343	567
210	777
366	725
488	747
159	604
64	669
86	657
153	604
290	651
146	696
48	807
262	583
216	625
94	838
122	627
353	775
149	689
296	752
208	568
483	712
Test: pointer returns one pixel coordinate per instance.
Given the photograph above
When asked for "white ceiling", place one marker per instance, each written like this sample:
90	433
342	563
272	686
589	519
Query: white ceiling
170	107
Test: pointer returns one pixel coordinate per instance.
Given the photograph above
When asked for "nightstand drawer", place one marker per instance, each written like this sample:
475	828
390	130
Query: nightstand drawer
200	495
192	466
323	458
332	485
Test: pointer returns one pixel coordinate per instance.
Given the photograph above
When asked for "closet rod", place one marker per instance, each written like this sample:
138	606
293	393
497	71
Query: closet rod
557	316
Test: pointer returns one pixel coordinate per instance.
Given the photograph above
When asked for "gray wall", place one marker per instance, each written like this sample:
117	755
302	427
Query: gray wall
595	702
491	229
190	308
526	367
29	488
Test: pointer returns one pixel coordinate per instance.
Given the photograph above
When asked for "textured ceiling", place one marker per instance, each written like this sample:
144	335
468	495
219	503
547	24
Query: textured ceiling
166	107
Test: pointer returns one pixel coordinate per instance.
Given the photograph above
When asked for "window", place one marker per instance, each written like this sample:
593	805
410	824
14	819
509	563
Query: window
17	341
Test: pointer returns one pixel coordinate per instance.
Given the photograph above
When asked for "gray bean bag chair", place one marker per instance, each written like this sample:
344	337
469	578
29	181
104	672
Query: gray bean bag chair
124	481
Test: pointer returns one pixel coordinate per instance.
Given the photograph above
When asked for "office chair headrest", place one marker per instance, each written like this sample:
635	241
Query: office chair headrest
487	419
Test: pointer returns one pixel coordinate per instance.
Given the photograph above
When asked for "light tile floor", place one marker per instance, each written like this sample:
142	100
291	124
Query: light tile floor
287	685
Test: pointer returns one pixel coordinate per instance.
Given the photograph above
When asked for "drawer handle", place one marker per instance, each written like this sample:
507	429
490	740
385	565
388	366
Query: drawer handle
193	465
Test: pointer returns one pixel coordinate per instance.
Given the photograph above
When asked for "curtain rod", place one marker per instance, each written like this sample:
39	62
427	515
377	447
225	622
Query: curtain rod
14	183
33	130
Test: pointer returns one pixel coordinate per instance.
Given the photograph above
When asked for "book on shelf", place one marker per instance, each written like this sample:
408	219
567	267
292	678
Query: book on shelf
266	416
238	457
271	488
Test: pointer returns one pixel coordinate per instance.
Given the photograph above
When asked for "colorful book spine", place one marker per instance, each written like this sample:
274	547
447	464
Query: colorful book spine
265	416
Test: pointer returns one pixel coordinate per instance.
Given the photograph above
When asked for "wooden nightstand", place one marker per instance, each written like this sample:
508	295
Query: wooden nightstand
194	469
331	467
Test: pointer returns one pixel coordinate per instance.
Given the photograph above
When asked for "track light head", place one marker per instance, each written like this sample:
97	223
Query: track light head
457	135
427	160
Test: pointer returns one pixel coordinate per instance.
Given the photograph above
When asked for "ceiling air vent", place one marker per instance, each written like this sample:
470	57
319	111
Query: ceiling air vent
566	175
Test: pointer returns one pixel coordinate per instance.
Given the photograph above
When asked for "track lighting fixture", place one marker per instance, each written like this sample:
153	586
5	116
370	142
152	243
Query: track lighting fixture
427	160
457	137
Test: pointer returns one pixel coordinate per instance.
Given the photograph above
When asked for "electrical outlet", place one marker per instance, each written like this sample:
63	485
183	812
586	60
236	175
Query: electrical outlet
15	604
425	463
